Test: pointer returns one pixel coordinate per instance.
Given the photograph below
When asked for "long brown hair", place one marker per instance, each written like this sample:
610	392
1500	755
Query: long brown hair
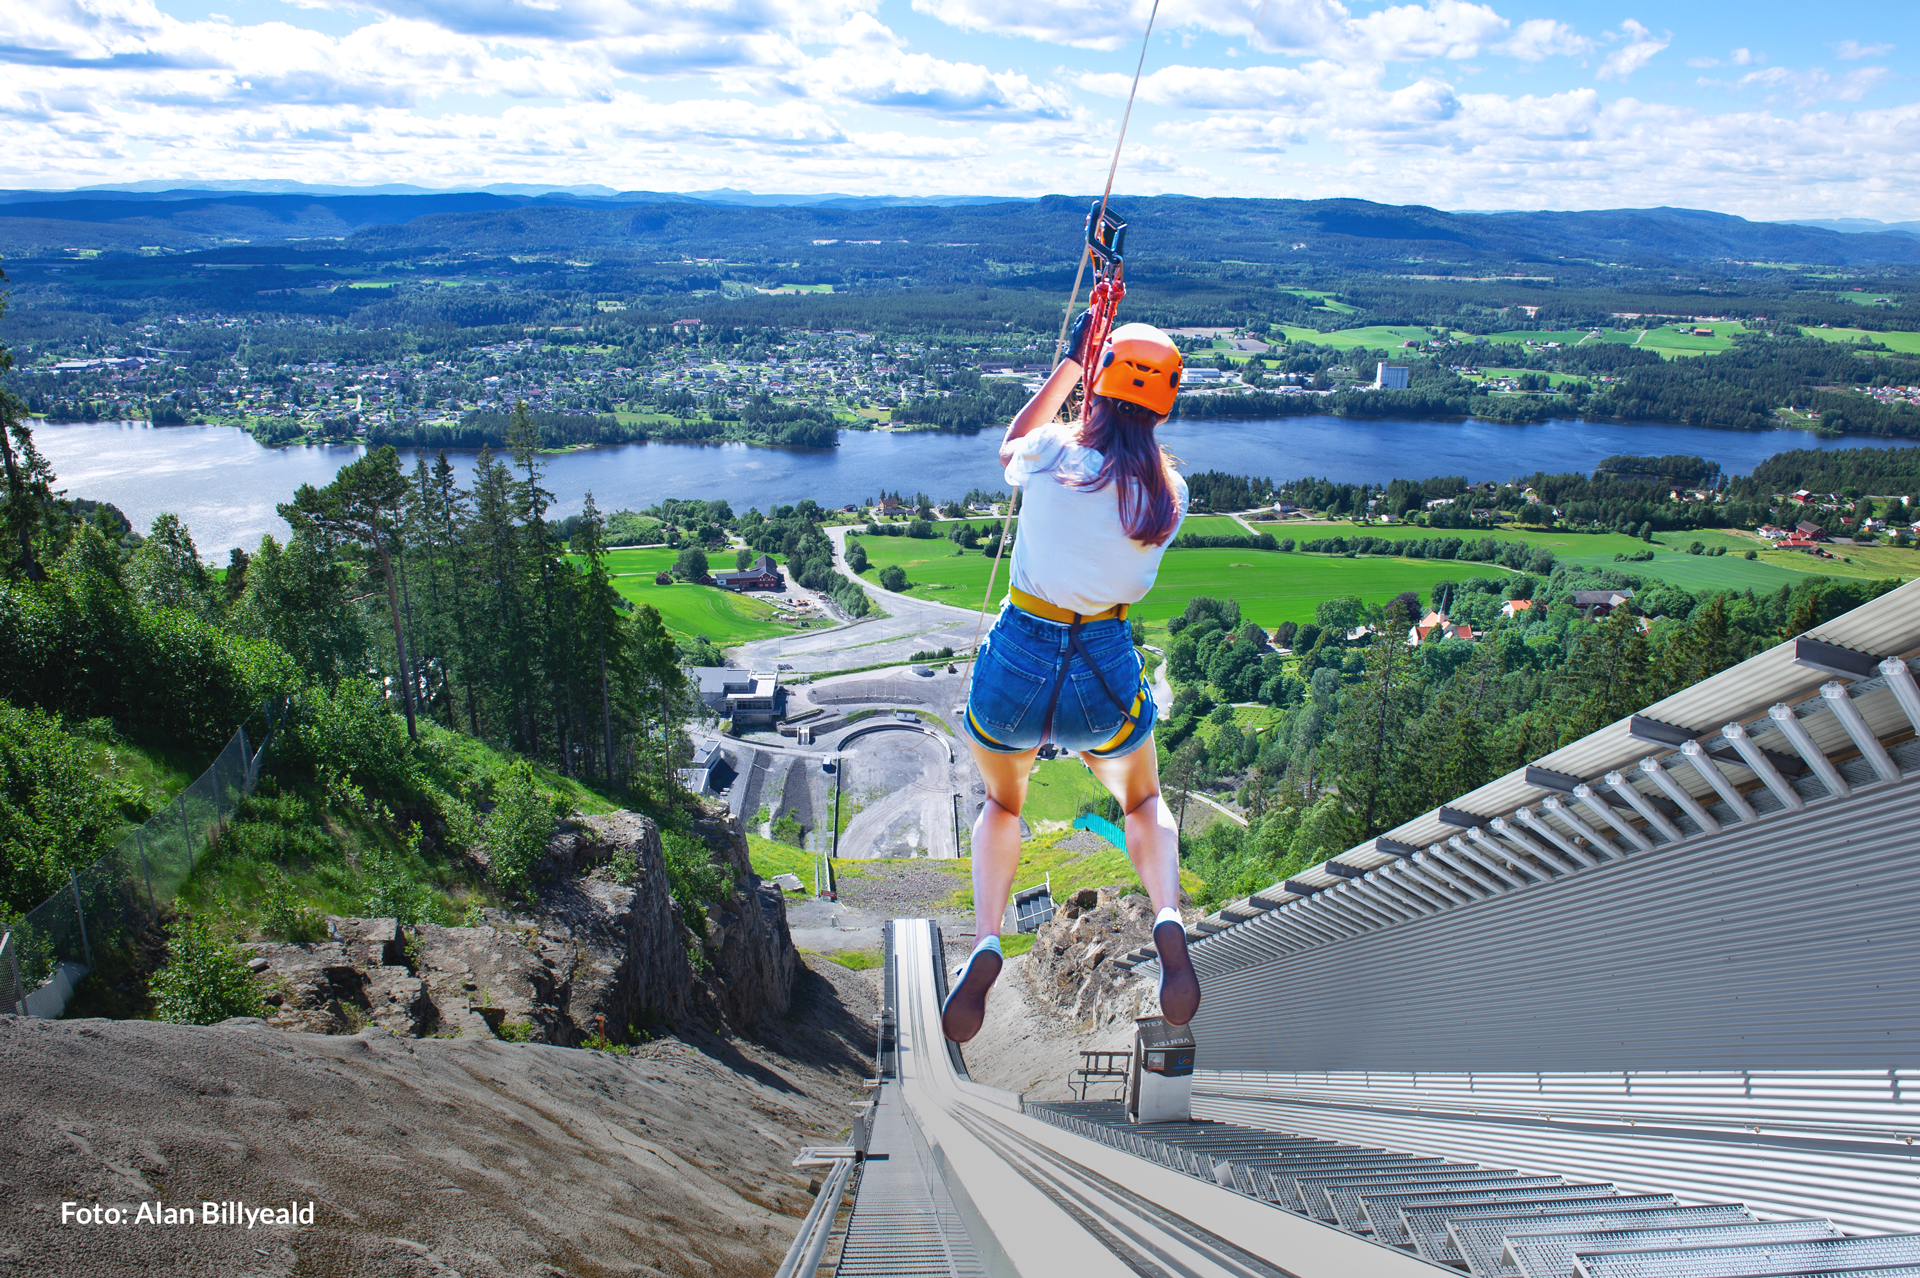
1122	433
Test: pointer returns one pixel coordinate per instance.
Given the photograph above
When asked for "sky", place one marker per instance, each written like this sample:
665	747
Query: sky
1766	109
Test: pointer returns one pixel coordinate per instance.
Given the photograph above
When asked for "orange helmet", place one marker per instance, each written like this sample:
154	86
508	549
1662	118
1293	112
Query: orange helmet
1141	365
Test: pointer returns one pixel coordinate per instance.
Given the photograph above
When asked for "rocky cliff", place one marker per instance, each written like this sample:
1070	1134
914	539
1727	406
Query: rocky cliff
591	955
1070	968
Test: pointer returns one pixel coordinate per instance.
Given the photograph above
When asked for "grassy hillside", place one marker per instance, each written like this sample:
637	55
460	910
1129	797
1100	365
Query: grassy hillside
689	610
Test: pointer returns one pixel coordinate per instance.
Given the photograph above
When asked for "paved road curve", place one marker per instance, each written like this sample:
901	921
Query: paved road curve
911	625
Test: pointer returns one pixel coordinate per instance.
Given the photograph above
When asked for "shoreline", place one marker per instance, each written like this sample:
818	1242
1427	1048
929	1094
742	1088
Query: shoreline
1176	422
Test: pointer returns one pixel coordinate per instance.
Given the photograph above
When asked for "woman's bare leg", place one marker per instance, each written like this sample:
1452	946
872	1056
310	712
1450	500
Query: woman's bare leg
1153	840
1153	845
996	835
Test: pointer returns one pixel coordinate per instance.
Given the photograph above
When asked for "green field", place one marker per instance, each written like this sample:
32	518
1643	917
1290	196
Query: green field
1375	336
1670	341
1056	788
1274	587
1214	526
1905	343
1670	561
1553	379
1564	336
689	610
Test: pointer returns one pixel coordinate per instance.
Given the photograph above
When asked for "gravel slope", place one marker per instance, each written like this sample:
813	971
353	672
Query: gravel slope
424	1156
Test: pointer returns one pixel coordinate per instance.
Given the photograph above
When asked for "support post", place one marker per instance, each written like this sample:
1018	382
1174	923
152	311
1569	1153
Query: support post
146	868
13	957
80	916
185	833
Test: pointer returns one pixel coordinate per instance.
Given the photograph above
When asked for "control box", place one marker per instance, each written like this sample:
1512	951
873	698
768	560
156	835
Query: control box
1160	1084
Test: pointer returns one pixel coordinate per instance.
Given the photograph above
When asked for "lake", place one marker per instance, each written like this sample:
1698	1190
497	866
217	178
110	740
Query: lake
225	486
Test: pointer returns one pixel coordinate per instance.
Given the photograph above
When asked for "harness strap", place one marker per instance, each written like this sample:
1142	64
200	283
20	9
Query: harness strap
1076	646
1053	612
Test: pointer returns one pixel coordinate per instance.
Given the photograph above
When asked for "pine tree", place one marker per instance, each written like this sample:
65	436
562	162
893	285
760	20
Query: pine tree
361	507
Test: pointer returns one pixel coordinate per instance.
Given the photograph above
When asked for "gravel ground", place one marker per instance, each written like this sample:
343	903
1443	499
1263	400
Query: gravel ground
903	889
424	1157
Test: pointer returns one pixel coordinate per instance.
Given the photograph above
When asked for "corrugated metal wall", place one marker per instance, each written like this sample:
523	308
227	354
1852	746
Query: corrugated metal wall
1734	1017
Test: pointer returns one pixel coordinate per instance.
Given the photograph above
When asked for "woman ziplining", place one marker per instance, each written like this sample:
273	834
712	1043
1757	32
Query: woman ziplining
1100	503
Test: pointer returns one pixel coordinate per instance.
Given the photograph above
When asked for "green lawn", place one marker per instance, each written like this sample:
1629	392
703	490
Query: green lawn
1671	341
1374	336
719	615
770	858
1042	856
1056	787
935	568
1274	587
1564	336
1905	343
1214	526
1553	379
1670	561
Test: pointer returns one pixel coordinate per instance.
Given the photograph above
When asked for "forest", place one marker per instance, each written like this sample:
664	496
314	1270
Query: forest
446	674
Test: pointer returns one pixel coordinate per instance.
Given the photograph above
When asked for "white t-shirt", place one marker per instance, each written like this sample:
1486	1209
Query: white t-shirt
1071	549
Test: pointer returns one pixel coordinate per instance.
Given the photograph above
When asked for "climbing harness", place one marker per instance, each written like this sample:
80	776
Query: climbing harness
1105	248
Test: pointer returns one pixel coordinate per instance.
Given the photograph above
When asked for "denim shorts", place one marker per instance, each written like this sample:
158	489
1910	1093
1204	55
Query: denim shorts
1018	669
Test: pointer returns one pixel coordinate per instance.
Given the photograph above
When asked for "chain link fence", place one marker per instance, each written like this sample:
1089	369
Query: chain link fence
46	951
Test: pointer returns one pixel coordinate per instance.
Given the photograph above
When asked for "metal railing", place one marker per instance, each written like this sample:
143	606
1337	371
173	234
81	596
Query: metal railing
49	948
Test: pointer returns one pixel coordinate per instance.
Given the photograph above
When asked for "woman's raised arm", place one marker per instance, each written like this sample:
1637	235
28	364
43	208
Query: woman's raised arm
1042	408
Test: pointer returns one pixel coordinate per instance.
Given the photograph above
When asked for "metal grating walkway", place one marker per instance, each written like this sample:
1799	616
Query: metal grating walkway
1493	1224
904	1224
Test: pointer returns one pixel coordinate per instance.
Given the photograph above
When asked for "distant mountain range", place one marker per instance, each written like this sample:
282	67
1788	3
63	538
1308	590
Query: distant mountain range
1342	233
1859	225
163	190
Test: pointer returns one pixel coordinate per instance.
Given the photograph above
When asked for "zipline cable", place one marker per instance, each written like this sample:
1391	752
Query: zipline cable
1059	345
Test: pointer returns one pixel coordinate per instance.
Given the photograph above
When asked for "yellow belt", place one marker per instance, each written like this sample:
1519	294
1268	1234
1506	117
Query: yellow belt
1041	608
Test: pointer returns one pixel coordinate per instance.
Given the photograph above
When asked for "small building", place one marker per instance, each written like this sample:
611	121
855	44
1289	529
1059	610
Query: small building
663	579
1812	532
1601	603
1772	532
749	698
1514	607
710	771
1391	377
1438	625
764	574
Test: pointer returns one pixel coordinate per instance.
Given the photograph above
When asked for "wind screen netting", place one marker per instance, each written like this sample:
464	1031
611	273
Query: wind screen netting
122	892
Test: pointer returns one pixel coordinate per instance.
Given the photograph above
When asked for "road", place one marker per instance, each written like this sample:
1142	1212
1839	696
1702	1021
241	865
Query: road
911	625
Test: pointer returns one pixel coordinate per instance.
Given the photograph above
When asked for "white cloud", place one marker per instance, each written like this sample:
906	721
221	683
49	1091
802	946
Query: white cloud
796	95
1451	29
920	83
1537	39
1849	50
1097	24
1804	88
1639	50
